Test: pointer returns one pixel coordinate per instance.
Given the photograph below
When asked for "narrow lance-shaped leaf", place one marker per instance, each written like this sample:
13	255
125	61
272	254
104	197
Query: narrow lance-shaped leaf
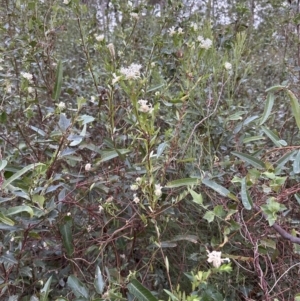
99	282
66	232
58	81
296	164
246	200
182	182
45	290
219	189
275	139
6	220
268	108
139	291
19	173
3	163
295	107
19	209
250	159
78	288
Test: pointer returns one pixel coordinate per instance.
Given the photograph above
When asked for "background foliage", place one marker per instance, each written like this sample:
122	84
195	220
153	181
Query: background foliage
137	138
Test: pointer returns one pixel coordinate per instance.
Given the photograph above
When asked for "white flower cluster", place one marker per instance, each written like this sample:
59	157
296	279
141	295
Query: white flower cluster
194	26
204	43
99	37
172	31
157	190
227	66
111	49
134	16
132	72
144	107
214	257
61	105
27	75
87	166
115	78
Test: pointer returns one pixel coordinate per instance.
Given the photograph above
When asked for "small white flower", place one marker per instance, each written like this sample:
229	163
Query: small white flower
194	26
100	209
134	187
69	214
12	239
228	66
93	99
214	257
138	180
27	75
99	37
134	16
132	72
89	228
109	199
88	167
204	43
115	78
172	31
111	49
30	90
180	30
66	1
144	107
157	190
136	199
153	64
61	105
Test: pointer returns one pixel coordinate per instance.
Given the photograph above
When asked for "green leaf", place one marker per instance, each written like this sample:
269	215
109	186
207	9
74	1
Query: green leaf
80	102
18	209
39	131
188	237
283	160
219	189
295	107
108	155
160	149
63	122
78	288
275	139
275	88
209	216
139	291
296	164
197	197
58	81
19	173
66	232
250	160
85	119
253	138
39	199
182	182
45	290
246	200
6	220
268	108
173	297
3	163
99	282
